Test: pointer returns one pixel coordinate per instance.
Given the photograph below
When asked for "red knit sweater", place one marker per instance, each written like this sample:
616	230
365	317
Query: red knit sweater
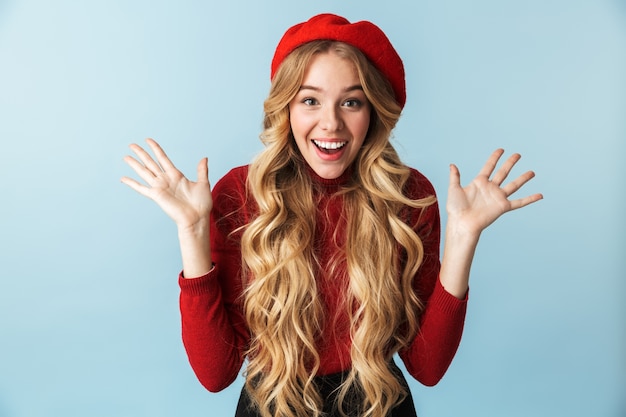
214	330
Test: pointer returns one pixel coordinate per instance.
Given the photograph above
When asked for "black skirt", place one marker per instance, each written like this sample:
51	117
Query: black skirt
327	385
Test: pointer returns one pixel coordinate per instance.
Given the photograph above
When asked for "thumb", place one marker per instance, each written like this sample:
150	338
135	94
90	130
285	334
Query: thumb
455	176
203	170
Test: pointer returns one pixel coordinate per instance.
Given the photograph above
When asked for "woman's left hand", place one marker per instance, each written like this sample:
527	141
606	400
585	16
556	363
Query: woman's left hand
476	206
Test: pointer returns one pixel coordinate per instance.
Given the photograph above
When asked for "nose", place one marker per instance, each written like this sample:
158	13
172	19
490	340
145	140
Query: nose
330	118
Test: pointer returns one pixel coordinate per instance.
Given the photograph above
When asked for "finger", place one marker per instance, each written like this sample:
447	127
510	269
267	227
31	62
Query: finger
203	170
146	174
505	169
491	163
146	159
455	176
161	156
518	183
141	189
523	202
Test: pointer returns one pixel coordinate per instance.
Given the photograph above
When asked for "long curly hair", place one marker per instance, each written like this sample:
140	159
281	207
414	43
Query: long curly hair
281	300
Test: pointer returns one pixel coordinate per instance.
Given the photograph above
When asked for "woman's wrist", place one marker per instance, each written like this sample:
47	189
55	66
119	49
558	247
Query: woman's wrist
460	231
195	249
196	230
459	247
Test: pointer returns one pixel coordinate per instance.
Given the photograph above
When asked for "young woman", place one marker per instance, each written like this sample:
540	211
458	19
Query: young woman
319	261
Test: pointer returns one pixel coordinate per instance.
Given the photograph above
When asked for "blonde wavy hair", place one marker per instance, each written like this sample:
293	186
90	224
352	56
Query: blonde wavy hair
283	309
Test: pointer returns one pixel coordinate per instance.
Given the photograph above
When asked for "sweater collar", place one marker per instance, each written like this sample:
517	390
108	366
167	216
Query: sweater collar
343	179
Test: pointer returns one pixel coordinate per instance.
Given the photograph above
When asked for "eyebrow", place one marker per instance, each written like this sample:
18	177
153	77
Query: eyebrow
347	89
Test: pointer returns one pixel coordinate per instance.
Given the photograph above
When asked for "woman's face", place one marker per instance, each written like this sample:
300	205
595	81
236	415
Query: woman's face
330	115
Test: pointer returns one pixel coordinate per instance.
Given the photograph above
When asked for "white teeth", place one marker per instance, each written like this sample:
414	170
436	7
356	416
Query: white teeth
329	145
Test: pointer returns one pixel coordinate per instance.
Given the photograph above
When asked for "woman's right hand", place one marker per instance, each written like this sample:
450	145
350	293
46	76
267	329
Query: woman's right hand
188	203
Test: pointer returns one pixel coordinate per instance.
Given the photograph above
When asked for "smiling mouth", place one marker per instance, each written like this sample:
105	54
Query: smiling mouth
329	147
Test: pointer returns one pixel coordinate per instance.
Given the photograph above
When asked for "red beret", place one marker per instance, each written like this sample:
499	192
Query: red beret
364	35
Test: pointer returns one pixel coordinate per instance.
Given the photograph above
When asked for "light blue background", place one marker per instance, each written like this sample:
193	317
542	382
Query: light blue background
89	322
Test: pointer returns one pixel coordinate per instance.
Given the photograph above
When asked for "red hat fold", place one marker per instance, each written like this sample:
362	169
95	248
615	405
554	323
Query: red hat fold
363	35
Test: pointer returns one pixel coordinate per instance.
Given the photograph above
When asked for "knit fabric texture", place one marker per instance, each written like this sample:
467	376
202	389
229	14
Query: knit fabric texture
214	328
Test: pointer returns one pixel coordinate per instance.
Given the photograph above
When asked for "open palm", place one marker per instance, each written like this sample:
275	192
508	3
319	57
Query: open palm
482	201
186	202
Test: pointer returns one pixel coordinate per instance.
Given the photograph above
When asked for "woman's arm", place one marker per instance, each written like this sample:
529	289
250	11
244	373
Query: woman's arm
188	203
443	287
213	328
471	210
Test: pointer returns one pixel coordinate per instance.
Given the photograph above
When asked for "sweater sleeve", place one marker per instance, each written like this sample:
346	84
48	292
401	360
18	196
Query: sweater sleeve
214	332
441	324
